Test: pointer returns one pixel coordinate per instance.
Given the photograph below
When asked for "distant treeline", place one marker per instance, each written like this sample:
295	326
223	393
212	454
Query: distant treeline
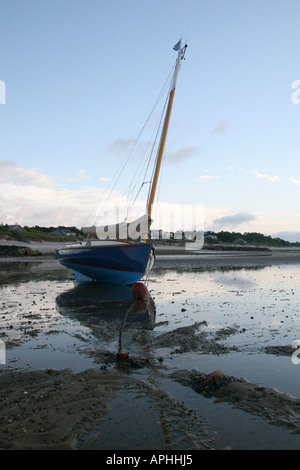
251	238
60	233
37	233
54	230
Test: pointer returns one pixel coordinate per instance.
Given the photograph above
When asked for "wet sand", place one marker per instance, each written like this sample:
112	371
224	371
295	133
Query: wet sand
172	383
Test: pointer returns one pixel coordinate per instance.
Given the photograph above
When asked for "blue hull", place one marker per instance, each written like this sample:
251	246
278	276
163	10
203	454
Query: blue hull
123	264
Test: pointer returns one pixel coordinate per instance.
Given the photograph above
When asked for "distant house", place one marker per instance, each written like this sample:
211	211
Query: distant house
61	231
240	241
179	235
155	235
210	237
160	235
16	227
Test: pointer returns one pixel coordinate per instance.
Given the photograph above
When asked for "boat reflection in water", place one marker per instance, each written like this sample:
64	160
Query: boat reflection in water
108	310
108	302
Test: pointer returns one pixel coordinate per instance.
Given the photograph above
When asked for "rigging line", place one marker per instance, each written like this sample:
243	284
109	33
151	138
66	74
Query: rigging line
165	105
141	165
147	163
163	160
120	169
132	187
122	165
108	188
158	127
91	212
134	200
129	190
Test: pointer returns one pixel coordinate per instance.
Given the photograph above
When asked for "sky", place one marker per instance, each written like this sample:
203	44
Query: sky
78	79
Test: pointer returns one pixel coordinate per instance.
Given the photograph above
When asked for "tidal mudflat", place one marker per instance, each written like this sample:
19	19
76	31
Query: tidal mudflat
209	360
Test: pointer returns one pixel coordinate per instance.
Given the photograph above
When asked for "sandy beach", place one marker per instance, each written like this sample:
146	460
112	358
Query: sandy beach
186	368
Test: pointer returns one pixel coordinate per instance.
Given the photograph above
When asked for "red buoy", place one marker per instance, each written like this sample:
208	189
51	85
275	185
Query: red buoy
139	290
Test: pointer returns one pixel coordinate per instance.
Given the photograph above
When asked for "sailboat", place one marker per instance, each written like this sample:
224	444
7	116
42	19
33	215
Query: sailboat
116	255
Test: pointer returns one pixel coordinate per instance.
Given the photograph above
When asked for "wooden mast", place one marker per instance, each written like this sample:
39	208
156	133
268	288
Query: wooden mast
181	52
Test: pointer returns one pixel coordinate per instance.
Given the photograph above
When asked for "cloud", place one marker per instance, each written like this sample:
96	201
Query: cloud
80	175
183	154
234	220
29	197
46	206
51	205
121	147
273	179
103	178
294	181
7	164
130	147
207	177
129	150
221	127
10	172
288	236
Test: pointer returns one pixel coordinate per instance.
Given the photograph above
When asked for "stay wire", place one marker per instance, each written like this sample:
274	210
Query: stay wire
122	165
